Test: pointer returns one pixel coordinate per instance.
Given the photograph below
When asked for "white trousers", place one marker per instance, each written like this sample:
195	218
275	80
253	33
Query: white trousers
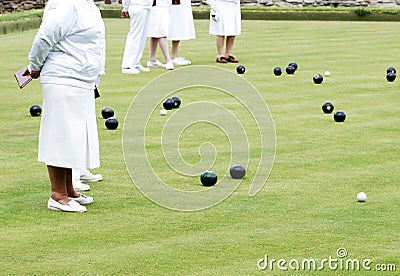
76	173
136	38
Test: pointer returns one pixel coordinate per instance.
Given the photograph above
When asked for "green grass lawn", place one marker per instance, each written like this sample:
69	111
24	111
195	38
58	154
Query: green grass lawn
307	208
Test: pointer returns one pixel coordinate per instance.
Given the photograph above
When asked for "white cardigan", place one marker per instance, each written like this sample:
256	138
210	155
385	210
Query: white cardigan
69	47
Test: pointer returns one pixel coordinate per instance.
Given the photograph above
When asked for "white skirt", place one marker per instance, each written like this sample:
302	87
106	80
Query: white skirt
229	20
68	135
181	24
158	26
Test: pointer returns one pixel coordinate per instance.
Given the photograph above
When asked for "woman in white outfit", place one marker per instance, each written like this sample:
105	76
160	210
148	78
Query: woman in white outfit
225	22
67	54
159	16
180	27
139	13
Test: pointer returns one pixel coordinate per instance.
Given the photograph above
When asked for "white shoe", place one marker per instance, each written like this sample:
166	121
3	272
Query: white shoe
78	185
89	177
131	71
155	64
169	65
142	69
71	206
180	61
82	199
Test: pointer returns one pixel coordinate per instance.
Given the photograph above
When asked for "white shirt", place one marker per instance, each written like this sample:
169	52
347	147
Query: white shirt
69	47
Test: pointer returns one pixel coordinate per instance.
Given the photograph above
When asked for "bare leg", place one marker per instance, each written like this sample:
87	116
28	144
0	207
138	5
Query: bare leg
229	44
58	177
220	45
153	48
68	181
164	48
174	51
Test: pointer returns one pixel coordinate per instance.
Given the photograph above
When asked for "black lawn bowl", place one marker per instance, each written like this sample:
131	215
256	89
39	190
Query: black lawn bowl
240	69
35	110
237	171
318	78
208	178
328	107
391	70
290	70
277	71
111	123
177	101
107	112
390	77
294	65
339	116
168	104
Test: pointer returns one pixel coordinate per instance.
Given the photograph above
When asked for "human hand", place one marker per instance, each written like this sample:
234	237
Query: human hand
26	72
125	14
34	74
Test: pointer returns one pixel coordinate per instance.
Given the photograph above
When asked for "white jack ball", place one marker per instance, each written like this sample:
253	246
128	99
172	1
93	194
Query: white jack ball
361	197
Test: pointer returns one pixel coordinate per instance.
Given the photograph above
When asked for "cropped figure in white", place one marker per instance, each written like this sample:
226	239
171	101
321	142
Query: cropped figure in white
139	13
180	27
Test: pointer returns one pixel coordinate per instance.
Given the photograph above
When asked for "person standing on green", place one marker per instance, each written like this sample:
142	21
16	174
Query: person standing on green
68	55
225	24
